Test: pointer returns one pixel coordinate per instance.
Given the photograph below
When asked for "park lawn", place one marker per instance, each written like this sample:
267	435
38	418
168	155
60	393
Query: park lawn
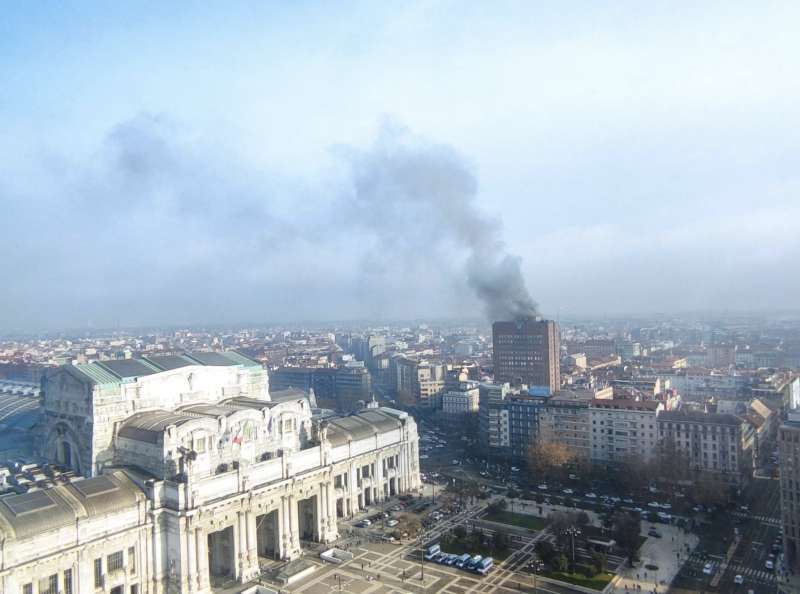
513	519
598	582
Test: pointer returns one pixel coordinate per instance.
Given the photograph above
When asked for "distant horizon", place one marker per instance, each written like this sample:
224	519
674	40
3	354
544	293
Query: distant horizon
695	316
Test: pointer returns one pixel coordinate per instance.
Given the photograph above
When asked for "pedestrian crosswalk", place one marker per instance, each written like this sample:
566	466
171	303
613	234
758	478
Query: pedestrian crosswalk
762	575
695	564
772	521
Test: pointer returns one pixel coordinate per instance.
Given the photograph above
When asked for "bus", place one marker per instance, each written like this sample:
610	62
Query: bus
473	563
432	551
484	565
462	559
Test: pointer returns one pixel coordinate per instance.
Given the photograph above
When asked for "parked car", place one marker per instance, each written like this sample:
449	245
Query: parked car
708	569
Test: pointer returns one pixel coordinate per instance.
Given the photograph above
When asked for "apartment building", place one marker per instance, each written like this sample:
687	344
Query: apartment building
623	428
714	443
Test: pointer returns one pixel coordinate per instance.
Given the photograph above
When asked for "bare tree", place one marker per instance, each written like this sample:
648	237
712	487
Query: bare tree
550	458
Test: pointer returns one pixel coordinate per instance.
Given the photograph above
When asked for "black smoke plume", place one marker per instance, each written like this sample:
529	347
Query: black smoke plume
414	195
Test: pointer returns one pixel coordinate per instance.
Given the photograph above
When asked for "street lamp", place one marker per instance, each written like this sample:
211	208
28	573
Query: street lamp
421	560
572	533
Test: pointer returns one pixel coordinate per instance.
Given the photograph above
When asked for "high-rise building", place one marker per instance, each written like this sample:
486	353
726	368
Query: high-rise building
353	384
789	456
527	351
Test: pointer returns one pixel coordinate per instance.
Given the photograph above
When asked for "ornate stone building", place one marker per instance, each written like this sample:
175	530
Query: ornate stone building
196	472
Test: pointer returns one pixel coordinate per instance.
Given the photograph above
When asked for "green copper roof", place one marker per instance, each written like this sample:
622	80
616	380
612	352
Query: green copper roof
97	374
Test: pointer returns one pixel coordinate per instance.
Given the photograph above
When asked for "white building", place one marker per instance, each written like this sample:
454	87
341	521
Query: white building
465	400
197	472
622	429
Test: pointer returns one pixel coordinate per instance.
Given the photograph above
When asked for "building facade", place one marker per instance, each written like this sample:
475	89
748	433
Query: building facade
197	472
565	418
527	351
789	459
623	429
717	445
462	401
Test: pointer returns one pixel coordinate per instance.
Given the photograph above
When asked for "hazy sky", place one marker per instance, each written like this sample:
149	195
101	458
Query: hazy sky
179	163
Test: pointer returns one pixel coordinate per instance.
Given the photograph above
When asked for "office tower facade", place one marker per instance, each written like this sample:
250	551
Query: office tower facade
789	456
527	351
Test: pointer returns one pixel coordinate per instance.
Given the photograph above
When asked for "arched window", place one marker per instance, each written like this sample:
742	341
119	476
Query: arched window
64	455
249	431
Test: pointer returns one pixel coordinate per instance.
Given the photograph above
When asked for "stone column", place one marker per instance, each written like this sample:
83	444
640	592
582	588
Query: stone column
381	476
241	541
333	526
202	559
354	472
283	529
190	550
294	526
251	527
322	512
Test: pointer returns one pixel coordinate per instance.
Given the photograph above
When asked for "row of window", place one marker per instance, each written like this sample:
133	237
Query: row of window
114	563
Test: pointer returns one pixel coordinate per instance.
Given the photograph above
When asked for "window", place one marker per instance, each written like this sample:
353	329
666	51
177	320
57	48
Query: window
49	585
67	581
98	573
132	560
27	588
114	562
134	588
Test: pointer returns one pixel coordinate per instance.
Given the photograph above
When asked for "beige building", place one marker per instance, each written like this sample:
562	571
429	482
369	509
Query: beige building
565	418
714	444
198	472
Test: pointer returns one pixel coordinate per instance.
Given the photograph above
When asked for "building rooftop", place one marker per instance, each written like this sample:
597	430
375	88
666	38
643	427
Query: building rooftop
117	370
36	512
626	404
150	426
361	425
682	416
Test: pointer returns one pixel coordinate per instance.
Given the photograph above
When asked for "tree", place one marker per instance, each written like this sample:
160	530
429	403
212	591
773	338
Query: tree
500	541
633	473
600	561
563	563
497	506
512	494
550	458
672	462
562	520
626	530
546	551
460	532
709	492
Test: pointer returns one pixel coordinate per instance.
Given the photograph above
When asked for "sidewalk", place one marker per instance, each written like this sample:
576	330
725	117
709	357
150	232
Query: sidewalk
659	552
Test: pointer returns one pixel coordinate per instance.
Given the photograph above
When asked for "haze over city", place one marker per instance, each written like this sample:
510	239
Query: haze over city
262	162
426	297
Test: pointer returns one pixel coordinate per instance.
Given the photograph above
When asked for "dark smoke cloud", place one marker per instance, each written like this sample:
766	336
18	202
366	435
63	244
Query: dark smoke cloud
159	227
415	196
